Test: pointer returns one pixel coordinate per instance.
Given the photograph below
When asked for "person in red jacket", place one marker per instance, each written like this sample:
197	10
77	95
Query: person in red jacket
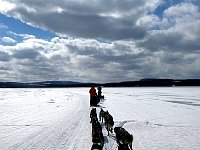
93	95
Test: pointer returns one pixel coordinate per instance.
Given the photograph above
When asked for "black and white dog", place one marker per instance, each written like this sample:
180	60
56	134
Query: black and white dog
108	122
101	115
124	139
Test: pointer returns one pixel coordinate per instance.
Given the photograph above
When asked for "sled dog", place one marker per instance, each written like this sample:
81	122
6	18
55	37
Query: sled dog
124	139
97	135
108	122
93	114
101	115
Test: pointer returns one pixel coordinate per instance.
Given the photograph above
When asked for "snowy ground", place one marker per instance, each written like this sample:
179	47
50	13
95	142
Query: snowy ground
58	119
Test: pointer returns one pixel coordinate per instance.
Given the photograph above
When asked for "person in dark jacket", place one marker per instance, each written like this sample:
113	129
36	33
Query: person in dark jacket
99	94
99	91
93	95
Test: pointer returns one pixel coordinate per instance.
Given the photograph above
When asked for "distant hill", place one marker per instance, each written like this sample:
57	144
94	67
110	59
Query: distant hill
41	84
140	83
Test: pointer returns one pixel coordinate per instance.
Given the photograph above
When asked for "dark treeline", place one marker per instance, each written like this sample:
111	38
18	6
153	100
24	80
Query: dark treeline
155	83
140	83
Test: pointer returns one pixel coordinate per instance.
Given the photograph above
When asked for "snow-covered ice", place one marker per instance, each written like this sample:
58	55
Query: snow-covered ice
159	118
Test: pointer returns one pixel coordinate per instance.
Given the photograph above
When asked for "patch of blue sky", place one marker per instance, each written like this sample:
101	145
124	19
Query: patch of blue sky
159	11
196	2
12	25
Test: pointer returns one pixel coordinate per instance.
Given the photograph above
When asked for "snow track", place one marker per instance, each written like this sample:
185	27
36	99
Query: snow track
64	134
69	132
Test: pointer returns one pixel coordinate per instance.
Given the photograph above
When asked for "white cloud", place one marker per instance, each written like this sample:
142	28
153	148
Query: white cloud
177	31
6	6
133	42
181	14
149	21
8	40
92	19
70	58
182	10
90	60
24	36
150	6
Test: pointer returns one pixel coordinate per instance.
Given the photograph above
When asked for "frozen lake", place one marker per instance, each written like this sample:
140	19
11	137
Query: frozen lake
159	118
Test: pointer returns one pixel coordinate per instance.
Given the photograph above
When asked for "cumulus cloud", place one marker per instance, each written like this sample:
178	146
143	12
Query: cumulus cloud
4	57
69	59
149	21
181	33
91	19
23	36
104	41
90	60
6	6
8	40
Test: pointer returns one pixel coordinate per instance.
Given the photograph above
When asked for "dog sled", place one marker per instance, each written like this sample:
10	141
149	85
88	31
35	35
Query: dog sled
96	100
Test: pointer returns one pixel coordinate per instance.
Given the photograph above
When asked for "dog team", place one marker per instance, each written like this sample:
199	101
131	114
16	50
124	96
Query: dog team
123	138
97	134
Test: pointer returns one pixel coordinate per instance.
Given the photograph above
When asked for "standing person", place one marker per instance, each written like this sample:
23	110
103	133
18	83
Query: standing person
99	96
99	91
93	95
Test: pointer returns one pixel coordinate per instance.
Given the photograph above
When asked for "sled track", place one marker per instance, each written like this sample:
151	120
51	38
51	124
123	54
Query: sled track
71	133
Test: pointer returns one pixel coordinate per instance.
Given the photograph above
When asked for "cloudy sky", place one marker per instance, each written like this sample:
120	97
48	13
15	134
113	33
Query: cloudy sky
99	40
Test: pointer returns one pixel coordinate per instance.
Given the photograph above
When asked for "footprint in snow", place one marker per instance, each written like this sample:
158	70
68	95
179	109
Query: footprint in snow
51	101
